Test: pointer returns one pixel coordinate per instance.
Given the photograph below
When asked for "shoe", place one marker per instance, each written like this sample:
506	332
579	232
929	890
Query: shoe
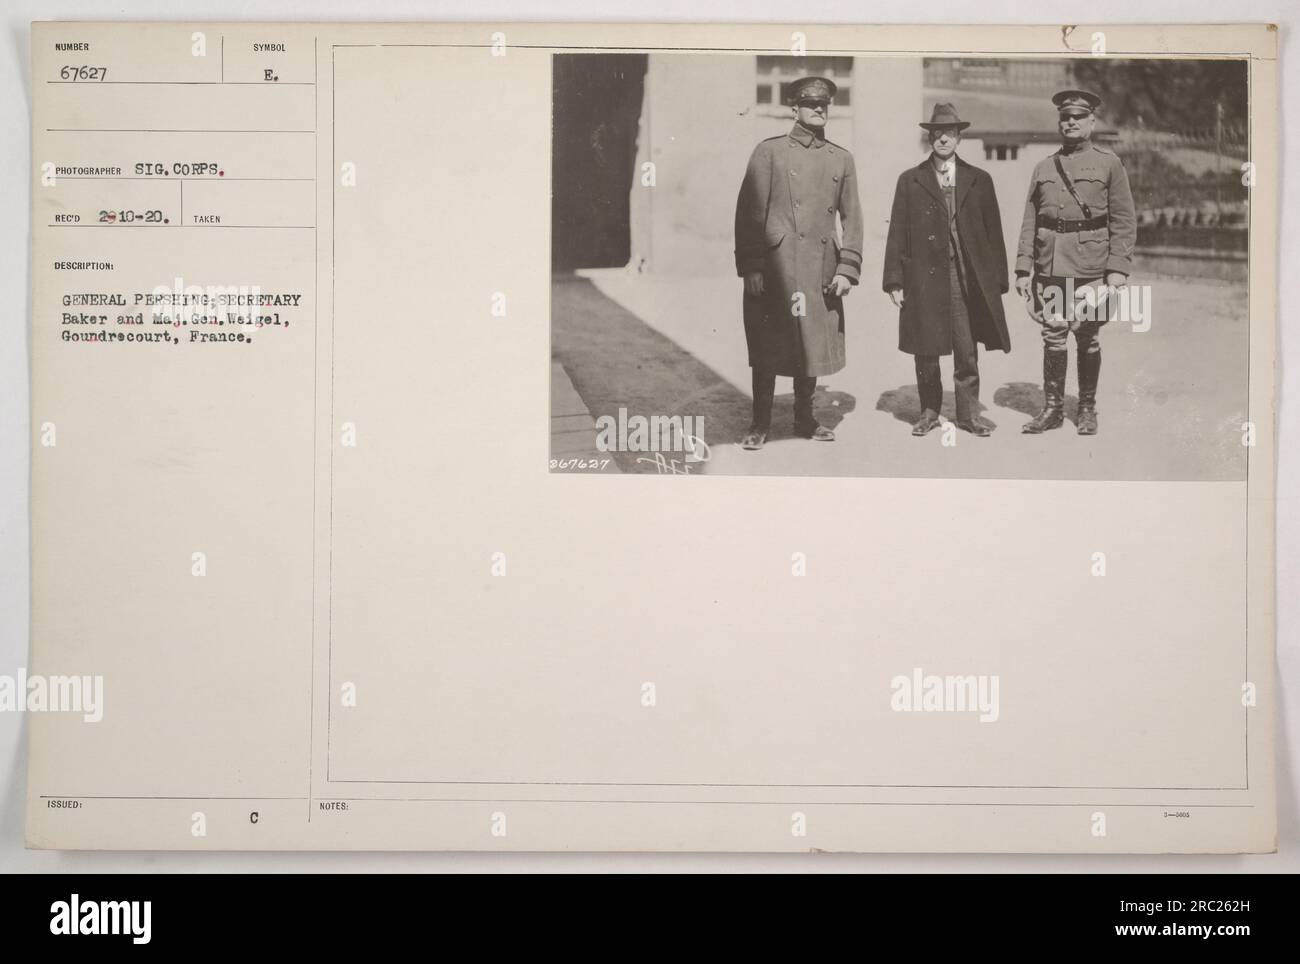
753	440
1087	420
976	426
1053	413
818	433
926	424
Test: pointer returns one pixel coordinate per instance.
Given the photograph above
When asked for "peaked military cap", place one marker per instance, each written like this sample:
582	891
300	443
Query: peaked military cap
811	88
1077	102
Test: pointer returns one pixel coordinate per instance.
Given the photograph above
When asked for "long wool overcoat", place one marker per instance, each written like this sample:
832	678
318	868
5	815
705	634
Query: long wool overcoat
917	259
794	187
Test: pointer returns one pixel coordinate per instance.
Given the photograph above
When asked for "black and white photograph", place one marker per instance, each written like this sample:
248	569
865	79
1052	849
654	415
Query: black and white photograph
979	331
938	266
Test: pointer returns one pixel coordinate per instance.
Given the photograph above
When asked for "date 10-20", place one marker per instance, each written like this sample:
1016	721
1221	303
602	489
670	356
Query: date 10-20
131	217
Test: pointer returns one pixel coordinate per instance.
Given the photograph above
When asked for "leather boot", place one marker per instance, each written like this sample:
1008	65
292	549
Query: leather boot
1053	413
764	386
1089	363
805	424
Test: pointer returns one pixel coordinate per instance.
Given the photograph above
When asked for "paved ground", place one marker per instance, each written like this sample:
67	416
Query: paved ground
573	430
1171	400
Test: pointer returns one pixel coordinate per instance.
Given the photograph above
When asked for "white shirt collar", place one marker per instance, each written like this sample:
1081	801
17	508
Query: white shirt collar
946	172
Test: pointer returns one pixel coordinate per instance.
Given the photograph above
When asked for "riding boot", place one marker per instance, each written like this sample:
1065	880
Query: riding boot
1053	413
1089	363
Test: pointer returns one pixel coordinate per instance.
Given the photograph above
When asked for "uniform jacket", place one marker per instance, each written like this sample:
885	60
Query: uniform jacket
1102	183
917	254
794	187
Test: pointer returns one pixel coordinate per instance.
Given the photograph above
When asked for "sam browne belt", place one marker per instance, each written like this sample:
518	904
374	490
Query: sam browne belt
1065	226
1061	225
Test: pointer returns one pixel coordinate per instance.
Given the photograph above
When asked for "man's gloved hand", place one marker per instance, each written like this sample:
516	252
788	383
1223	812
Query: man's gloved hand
754	283
839	286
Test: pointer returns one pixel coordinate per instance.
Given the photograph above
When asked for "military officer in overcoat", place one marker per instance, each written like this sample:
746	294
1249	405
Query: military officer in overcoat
946	271
796	269
1076	247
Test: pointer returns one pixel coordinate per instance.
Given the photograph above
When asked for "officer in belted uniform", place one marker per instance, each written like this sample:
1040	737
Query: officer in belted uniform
1076	246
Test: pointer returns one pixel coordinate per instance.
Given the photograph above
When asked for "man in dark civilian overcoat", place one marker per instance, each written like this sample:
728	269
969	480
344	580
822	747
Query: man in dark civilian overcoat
946	271
796	269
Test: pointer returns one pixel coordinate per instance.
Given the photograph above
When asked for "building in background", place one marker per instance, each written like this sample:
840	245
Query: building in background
649	149
1013	122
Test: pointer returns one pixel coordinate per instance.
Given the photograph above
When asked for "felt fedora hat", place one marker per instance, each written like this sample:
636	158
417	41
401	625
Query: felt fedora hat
945	115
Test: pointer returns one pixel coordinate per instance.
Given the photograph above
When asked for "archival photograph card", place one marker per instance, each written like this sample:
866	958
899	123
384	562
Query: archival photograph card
628	437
